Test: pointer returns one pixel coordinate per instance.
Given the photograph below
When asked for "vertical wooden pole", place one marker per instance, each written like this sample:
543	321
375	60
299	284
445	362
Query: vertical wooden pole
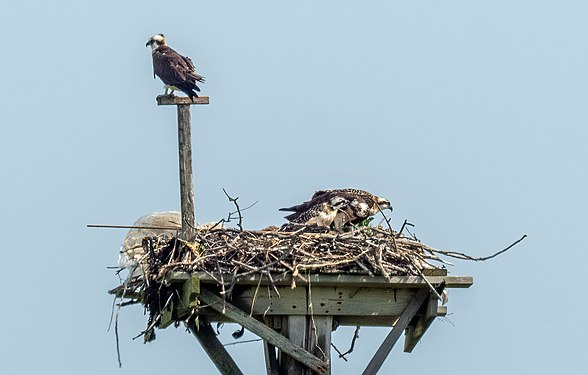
204	332
294	328
271	361
319	338
186	181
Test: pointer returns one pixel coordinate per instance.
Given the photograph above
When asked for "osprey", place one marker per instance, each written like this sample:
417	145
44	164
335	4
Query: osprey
322	214
177	72
353	206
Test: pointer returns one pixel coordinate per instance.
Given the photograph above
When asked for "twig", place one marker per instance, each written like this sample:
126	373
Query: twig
457	255
129	227
239	211
242	342
406	223
355	337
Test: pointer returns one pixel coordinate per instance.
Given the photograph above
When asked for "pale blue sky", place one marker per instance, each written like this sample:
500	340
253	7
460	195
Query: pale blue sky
470	116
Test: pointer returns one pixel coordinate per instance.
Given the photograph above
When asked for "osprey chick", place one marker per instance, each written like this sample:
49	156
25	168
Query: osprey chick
321	214
356	206
177	72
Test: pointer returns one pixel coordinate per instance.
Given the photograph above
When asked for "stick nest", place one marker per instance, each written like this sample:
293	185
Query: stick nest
367	250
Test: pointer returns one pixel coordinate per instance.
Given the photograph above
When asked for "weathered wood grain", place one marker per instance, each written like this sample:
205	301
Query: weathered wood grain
319	337
186	178
294	328
359	301
176	100
336	280
266	301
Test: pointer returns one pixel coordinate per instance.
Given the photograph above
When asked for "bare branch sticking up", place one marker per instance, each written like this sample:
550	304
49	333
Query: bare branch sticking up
240	217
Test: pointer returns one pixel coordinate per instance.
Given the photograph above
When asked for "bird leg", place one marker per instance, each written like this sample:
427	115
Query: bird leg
167	88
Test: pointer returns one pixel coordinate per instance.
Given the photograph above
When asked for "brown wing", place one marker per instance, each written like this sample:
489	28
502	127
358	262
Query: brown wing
304	206
172	68
193	73
343	192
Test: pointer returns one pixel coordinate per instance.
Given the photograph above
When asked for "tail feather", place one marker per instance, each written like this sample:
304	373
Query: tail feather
293	216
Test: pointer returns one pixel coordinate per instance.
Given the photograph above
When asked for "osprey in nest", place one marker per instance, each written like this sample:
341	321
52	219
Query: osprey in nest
177	72
337	208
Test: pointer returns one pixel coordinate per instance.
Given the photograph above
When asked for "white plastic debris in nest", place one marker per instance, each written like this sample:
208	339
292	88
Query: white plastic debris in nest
154	224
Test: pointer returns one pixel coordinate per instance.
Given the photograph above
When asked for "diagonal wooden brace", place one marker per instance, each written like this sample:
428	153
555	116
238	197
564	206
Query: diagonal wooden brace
263	331
215	349
403	321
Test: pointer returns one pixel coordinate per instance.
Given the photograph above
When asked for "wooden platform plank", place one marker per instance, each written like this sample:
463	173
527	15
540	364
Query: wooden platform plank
344	301
336	280
364	301
265	301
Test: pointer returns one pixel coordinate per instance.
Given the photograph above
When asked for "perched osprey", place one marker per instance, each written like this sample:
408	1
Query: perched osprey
353	206
176	71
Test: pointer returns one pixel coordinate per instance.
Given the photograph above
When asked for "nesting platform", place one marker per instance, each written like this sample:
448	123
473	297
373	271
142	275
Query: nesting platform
292	290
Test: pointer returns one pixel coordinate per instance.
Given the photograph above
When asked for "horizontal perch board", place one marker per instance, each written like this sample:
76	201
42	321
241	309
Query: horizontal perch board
181	100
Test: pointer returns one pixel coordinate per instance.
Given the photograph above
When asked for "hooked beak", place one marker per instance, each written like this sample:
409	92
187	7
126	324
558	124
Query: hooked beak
387	207
147	44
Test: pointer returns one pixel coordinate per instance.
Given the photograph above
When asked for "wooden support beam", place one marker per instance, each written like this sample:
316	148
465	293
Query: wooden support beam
416	332
319	337
271	360
263	331
188	297
294	328
409	312
215	350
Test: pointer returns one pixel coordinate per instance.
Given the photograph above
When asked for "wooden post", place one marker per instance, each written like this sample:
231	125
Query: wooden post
271	361
204	333
295	329
319	338
185	159
186	179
